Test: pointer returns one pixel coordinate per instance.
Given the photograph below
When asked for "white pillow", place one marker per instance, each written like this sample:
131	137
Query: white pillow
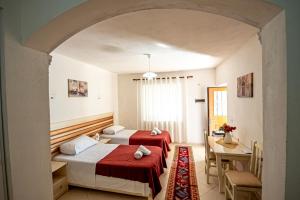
77	145
113	129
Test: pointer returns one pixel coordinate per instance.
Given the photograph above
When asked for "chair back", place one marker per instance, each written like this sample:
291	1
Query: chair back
256	160
207	147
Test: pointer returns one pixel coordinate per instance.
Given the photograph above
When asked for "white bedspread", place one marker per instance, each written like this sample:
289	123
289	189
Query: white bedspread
81	167
121	137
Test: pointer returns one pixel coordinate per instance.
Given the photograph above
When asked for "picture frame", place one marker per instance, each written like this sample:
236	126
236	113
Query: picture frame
77	88
245	86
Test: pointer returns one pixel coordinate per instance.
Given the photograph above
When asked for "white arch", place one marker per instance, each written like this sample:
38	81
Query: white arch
255	13
268	17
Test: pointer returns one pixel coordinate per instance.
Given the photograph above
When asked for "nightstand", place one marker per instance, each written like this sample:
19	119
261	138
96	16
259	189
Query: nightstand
104	140
59	177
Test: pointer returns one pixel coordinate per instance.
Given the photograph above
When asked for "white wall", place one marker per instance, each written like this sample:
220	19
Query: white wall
197	112
26	113
102	90
275	114
245	113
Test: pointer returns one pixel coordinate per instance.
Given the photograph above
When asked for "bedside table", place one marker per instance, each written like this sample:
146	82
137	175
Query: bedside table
59	177
104	140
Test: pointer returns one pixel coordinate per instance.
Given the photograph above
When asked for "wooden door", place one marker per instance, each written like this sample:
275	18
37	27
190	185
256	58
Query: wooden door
217	107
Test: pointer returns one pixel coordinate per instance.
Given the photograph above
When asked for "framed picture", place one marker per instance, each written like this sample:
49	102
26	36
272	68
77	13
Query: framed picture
245	85
77	88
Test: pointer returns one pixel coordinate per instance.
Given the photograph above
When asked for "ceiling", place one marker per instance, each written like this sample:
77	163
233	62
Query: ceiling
176	39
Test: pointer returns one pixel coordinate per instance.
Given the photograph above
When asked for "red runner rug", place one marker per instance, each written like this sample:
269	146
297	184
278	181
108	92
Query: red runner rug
182	183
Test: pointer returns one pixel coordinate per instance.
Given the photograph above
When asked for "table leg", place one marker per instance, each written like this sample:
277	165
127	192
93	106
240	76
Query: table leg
220	173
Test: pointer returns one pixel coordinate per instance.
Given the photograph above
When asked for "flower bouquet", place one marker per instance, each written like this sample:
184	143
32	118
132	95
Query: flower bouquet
227	130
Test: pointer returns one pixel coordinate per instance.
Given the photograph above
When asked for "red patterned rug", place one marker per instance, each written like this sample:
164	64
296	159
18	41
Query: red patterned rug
182	183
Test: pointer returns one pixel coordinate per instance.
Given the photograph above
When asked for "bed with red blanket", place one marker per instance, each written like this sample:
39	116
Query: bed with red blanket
112	167
141	137
123	165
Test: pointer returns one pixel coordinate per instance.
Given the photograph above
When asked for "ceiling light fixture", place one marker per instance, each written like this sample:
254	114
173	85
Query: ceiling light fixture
149	75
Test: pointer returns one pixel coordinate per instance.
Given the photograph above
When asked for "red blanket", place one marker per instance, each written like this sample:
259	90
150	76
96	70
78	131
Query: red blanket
120	163
145	138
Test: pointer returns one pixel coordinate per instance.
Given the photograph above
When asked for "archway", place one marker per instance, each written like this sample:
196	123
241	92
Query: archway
267	17
257	14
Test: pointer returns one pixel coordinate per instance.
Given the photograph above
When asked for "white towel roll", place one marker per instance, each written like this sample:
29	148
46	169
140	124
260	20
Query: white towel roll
144	150
157	131
138	154
153	132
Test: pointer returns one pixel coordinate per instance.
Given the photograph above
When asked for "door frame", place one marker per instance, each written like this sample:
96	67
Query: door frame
208	113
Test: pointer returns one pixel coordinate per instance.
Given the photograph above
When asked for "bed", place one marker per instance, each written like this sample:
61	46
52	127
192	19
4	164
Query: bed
107	167
141	137
104	166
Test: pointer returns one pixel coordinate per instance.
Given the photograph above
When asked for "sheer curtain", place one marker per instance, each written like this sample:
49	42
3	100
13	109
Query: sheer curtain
162	104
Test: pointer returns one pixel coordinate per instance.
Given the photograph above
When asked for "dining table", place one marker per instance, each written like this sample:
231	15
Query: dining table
237	152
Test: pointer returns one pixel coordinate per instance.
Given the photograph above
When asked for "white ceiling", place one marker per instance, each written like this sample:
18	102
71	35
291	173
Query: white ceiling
177	39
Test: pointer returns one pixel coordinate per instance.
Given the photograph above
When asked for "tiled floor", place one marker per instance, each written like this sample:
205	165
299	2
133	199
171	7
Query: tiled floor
207	191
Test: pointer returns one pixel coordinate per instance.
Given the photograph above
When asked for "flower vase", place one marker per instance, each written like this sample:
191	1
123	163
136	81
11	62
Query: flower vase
228	138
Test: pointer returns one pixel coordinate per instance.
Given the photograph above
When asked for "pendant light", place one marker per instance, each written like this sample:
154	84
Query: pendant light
149	75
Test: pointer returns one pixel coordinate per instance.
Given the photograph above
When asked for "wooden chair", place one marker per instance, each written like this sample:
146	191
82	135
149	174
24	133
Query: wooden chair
245	181
210	159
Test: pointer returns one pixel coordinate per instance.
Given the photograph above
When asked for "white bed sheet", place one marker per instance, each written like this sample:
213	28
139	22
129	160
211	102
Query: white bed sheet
121	137
81	172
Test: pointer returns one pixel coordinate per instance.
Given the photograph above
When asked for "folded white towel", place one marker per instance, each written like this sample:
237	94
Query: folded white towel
144	150
157	130
138	154
153	132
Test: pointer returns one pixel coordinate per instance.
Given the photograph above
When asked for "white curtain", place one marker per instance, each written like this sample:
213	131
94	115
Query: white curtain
162	104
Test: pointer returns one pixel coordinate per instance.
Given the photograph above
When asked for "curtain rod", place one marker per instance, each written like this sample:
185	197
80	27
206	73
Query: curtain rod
138	79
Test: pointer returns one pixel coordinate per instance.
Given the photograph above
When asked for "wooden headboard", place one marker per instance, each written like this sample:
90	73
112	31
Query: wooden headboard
90	128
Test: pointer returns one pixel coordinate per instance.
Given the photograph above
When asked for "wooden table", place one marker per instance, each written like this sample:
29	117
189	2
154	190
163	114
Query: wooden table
240	153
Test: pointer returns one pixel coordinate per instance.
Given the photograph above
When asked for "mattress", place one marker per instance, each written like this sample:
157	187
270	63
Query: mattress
121	137
81	172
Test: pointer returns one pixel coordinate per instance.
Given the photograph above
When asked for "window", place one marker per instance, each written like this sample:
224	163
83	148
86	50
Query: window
220	103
